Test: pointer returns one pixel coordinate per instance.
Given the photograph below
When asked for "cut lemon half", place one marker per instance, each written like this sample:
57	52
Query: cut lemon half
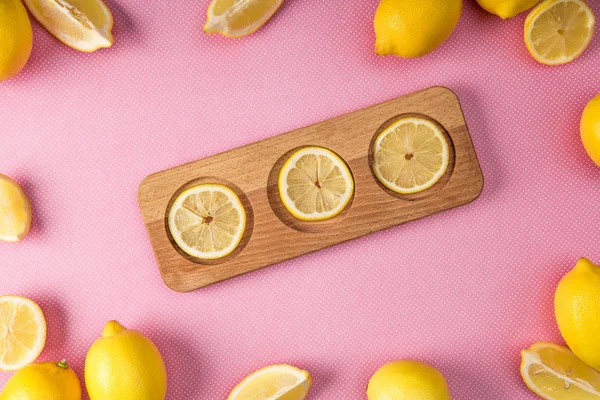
84	25
315	184
15	211
558	31
207	221
22	332
554	373
277	382
237	18
410	155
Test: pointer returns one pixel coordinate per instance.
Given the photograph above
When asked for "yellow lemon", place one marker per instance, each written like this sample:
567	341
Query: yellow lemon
276	382
407	379
554	373
22	332
590	129
577	308
413	28
15	211
43	381
559	31
124	364
237	18
84	25
16	38
507	8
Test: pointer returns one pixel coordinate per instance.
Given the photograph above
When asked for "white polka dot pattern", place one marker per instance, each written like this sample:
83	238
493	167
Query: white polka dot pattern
465	290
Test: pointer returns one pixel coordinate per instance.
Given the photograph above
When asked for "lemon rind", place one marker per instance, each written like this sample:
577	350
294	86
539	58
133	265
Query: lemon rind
233	198
417	189
282	184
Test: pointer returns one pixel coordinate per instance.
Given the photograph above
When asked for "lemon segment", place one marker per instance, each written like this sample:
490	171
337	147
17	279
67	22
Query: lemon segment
237	18
207	221
276	382
554	373
84	25
15	211
315	184
559	31
22	332
411	155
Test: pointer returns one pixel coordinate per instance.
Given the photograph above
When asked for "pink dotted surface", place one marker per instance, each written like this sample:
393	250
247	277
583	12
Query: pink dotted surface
465	290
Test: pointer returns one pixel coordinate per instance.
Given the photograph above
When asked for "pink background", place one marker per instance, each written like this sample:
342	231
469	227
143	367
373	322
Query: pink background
465	290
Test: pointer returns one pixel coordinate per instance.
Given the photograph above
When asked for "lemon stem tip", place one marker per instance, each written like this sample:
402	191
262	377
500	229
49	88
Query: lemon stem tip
63	364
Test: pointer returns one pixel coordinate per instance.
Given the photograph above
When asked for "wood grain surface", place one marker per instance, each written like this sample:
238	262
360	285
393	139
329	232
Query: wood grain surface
272	234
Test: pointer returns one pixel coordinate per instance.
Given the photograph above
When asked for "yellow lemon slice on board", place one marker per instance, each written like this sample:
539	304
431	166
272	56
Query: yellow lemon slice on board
277	382
15	211
554	373
315	184
410	155
558	31
22	332
207	221
84	25
237	18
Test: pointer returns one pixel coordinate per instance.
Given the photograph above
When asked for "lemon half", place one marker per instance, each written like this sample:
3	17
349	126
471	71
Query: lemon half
559	31
207	221
315	184
276	382
554	373
237	18
22	332
410	155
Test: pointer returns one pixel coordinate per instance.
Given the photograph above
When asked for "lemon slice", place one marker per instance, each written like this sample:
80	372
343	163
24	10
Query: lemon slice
237	18
15	211
558	31
411	155
315	184
84	25
276	382
207	221
554	373
22	332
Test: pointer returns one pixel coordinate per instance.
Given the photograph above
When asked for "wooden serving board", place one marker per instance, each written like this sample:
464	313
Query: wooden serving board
272	234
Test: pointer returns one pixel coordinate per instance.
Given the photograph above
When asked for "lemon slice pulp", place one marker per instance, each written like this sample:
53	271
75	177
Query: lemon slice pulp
277	382
558	31
315	184
22	332
237	18
207	221
84	25
554	373
411	155
15	211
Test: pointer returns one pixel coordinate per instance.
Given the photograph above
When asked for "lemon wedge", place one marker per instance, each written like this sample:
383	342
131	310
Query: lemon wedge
276	382
15	211
410	155
558	31
84	25
237	18
554	373
207	221
315	184
22	332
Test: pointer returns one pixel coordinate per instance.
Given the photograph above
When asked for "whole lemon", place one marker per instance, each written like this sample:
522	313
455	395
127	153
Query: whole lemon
124	364
407	379
577	308
16	38
413	28
590	129
43	381
507	8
